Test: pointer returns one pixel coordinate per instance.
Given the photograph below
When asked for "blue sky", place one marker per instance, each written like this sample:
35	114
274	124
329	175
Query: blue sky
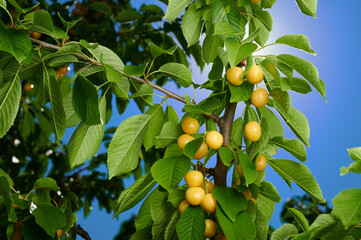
334	35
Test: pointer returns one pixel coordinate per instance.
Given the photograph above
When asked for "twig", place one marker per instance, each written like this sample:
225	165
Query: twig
81	232
170	94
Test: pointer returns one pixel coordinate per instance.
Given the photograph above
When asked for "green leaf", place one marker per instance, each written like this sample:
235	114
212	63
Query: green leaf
306	69
269	191
156	122
86	140
169	134
299	41
293	146
132	70
227	18
71	119
324	223
237	130
268	3
171	115
112	74
226	155
157	51
276	128
41	18
237	51
161	212
46	183
210	46
298	123
10	94
175	8
8	178
56	103
354	167
192	25
298	173
263	32
282	100
285	232
5	192
15	42
144	218
192	224
127	15
176	196
135	193
168	172
308	7
300	218
249	170
241	93
102	7
180	73
49	217
144	91
231	201
355	153
170	231
241	229
298	85
347	206
124	149
192	147
85	101
105	55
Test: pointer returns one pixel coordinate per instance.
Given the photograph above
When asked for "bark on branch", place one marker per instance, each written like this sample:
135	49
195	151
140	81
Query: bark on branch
225	125
170	94
81	232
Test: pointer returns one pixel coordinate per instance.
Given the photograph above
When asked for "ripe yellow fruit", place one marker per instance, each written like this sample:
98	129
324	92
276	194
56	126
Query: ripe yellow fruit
255	74
183	140
240	172
255	1
209	184
182	206
259	97
209	203
194	179
252	131
195	195
247	194
59	233
211	229
190	125
234	75
261	162
214	139
202	151
28	87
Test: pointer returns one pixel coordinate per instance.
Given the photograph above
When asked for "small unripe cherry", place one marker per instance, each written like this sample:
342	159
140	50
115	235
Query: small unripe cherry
234	76
254	200
252	131
255	1
209	203
221	236
255	74
240	171
211	229
195	195
28	87
209	184
194	178
214	139
259	97
261	162
202	151
190	125
182	206
183	140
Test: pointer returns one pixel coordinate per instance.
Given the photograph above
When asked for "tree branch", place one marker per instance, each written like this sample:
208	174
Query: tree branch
170	94
225	125
81	232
